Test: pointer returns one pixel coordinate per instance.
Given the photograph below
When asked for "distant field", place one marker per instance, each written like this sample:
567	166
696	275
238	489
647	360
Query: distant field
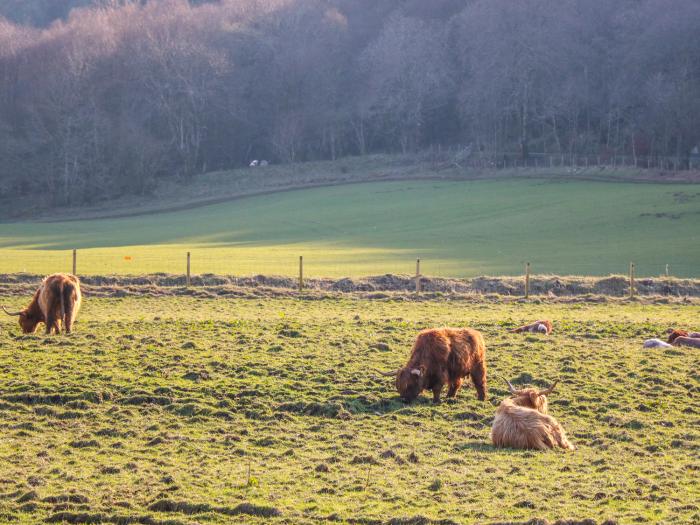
458	229
182	411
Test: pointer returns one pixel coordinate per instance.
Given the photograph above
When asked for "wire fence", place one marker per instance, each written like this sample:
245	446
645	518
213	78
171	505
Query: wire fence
313	265
512	160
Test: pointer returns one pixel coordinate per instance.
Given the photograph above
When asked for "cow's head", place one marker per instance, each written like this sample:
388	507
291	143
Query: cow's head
531	397
27	320
410	381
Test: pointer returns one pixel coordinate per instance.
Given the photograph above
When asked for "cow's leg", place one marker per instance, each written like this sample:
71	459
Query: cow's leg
436	392
478	375
454	387
50	322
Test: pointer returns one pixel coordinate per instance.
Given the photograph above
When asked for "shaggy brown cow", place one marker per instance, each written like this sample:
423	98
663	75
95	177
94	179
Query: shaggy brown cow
443	356
56	301
674	334
543	327
522	422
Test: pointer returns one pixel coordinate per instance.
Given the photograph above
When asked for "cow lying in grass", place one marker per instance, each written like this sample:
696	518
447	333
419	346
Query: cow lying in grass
675	334
443	356
56	301
656	343
693	342
538	327
522	422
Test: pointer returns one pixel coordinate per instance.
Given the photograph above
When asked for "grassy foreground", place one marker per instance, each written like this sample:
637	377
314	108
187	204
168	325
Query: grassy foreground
458	229
185	410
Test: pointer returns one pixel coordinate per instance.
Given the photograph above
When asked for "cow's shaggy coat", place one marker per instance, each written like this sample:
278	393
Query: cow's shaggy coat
56	302
443	356
522	422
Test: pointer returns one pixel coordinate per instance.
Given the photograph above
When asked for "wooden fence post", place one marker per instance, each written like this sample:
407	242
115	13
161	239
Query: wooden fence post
189	280
527	280
75	262
417	275
666	270
631	280
301	273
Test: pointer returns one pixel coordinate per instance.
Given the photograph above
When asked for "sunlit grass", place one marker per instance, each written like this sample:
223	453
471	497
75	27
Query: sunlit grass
455	228
159	407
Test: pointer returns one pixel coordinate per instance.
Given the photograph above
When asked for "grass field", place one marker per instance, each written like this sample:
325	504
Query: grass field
185	410
463	228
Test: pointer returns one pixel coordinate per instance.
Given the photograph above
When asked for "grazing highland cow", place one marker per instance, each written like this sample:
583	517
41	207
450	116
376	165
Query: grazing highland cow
56	301
538	327
522	422
443	356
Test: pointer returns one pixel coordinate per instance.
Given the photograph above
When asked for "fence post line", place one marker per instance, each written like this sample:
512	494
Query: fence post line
631	280
301	273
417	275
75	261
189	280
667	270
527	280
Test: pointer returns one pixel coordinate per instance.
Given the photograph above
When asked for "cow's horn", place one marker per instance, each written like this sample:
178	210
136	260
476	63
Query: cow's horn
392	373
549	390
510	387
10	313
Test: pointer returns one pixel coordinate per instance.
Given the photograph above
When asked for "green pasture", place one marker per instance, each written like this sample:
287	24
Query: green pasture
183	411
457	229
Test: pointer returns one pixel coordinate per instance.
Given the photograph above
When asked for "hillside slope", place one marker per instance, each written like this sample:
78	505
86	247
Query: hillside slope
458	228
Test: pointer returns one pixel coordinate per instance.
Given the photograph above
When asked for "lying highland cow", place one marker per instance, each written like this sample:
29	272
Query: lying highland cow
675	334
443	356
656	343
522	422
538	327
56	301
693	342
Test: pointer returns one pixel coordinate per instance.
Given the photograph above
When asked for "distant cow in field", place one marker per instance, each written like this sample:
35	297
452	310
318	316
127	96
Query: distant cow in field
538	327
522	422
687	341
656	343
674	334
443	356
56	301
254	163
